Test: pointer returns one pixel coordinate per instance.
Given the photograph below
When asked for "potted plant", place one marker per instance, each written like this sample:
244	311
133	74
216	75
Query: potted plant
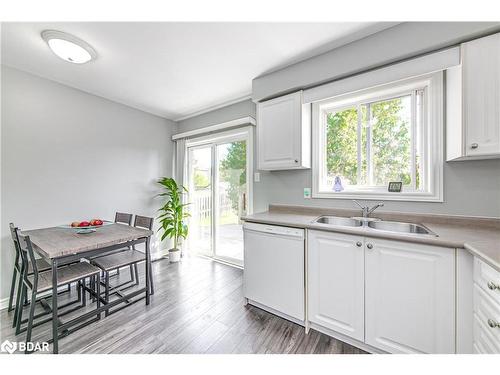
173	215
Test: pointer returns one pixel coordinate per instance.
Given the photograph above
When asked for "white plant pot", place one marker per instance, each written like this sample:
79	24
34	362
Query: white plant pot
174	255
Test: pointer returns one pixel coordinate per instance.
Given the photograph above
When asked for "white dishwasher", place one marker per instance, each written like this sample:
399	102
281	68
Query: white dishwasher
274	269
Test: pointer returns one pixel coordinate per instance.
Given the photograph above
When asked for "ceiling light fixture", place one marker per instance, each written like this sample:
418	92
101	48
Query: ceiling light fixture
69	47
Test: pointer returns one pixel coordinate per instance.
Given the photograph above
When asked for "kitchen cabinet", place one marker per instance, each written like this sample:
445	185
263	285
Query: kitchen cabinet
274	269
473	101
336	282
486	307
410	297
394	296
284	133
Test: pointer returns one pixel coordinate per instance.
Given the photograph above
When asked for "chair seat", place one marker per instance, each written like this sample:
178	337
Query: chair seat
118	260
65	275
41	265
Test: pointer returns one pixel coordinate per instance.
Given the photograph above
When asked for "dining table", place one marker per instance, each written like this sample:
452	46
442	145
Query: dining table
60	246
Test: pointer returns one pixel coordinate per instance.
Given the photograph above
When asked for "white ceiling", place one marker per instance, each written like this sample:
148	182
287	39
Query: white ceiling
175	69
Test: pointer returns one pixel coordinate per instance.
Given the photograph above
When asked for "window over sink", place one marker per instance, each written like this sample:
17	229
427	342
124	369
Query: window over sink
366	139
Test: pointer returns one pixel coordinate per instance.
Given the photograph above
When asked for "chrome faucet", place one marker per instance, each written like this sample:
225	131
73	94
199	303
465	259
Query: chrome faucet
366	210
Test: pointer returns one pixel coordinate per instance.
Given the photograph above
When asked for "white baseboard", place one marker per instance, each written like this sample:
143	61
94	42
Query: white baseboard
4	303
162	253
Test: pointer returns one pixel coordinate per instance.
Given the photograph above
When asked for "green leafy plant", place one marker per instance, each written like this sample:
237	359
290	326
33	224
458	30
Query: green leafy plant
172	212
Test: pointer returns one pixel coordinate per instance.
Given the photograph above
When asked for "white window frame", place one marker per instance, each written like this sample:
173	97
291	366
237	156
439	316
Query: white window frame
433	146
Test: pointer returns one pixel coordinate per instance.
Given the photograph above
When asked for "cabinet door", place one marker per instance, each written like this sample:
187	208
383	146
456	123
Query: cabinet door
279	132
481	95
410	297
335	282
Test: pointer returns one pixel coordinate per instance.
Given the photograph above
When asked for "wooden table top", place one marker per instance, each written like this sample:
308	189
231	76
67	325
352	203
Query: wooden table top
56	242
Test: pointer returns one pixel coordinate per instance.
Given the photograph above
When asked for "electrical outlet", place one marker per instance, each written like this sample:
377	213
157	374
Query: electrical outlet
256	177
307	193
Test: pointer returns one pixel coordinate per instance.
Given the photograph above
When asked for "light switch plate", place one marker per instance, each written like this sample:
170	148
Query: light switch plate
307	193
256	177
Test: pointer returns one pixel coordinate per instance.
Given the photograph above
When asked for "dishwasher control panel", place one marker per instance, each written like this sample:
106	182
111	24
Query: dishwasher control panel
274	229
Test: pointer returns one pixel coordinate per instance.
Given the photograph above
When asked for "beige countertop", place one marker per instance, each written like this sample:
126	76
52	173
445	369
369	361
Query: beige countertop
479	236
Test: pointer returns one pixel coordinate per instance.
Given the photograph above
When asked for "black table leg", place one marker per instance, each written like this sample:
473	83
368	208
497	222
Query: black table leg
55	320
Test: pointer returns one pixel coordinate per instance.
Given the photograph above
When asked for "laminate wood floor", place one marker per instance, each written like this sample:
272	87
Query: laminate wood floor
198	307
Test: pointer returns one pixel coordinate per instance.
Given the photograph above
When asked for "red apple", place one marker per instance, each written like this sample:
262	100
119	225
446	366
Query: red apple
84	224
98	222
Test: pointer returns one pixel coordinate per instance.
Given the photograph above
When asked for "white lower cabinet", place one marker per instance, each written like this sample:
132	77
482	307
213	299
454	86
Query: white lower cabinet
395	296
336	282
410	297
486	307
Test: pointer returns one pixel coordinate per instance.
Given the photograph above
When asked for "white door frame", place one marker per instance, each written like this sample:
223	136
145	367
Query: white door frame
212	140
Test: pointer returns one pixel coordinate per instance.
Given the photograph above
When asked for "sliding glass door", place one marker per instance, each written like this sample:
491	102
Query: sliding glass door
219	193
200	199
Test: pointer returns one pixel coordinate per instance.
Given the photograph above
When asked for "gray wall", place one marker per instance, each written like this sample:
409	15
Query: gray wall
67	155
400	42
470	188
228	113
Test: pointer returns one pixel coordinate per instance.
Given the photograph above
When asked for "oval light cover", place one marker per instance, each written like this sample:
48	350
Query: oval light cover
69	51
68	47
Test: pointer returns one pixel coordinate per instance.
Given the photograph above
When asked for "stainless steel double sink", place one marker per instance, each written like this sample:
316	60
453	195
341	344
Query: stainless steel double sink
376	224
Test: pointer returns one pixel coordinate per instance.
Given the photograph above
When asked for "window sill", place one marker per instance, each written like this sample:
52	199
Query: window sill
386	196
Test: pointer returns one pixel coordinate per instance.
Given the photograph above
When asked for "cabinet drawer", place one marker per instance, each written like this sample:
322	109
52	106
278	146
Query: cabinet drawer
486	309
477	349
483	342
488	279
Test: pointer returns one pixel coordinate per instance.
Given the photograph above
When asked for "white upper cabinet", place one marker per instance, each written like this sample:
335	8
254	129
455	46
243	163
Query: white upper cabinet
409	297
284	133
473	111
336	282
481	86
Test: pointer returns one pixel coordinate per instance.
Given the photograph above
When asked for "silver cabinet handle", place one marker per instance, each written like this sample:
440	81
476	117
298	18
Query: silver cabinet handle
474	145
296	161
493	324
359	244
492	285
369	246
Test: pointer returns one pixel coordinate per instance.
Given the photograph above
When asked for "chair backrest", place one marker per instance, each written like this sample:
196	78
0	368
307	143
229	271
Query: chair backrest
26	249
15	239
123	218
143	222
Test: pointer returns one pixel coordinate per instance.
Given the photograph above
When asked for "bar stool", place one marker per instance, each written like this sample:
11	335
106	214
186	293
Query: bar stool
41	282
121	218
130	258
124	218
41	264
